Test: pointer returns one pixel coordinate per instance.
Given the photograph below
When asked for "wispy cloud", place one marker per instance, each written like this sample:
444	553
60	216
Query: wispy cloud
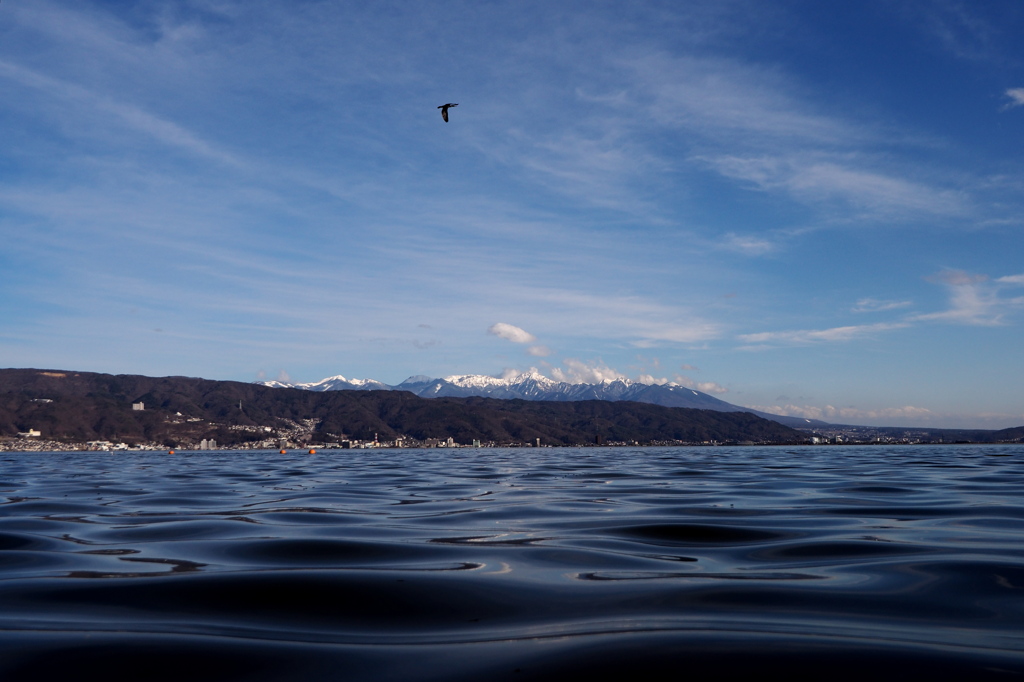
601	168
704	386
1016	96
817	180
963	32
873	305
749	244
641	321
158	129
974	300
746	122
580	372
762	128
576	371
719	97
849	414
806	336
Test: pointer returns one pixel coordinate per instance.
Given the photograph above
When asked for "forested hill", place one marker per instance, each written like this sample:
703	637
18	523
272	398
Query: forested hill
83	406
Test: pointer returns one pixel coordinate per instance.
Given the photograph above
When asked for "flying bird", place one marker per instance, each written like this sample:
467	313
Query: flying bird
444	110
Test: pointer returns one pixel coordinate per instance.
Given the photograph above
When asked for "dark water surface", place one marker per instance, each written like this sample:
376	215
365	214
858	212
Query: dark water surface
901	562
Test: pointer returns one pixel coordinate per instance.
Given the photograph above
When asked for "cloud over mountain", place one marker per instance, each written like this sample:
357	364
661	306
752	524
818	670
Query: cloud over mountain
579	372
511	333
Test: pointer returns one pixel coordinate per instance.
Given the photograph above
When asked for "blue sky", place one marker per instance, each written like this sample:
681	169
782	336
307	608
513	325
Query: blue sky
810	208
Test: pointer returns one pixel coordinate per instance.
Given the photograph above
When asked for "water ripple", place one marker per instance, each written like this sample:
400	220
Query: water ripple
470	564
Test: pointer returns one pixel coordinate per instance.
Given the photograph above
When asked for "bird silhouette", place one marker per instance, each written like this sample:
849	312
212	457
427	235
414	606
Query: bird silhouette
444	110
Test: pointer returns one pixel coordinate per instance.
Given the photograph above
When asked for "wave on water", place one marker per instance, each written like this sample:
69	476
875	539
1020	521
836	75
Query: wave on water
514	563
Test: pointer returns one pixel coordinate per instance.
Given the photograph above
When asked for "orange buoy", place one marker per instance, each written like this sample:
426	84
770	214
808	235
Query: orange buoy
284	452
170	452
312	452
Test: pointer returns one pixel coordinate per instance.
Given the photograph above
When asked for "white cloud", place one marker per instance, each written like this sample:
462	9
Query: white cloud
579	372
511	333
703	386
720	98
1016	96
655	333
653	362
873	305
639	321
752	246
756	125
747	122
816	178
959	29
804	336
599	167
81	99
832	414
957	278
973	299
539	351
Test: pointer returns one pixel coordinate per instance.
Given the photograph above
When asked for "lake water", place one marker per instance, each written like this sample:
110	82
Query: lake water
521	564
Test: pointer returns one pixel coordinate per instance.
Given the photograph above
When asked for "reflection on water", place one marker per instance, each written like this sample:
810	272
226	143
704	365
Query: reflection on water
520	564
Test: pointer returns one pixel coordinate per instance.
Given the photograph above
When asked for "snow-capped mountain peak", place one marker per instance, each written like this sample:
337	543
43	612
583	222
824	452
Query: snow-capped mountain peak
273	383
474	380
365	382
532	385
335	383
336	379
417	379
485	381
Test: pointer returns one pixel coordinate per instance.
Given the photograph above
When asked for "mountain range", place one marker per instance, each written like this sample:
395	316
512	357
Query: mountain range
78	407
61	405
535	386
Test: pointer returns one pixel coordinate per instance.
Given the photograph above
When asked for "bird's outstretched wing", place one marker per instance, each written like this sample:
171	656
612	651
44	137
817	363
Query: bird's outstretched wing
444	109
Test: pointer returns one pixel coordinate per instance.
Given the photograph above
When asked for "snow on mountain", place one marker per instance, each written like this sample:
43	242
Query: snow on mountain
475	381
535	386
335	383
276	384
483	381
416	379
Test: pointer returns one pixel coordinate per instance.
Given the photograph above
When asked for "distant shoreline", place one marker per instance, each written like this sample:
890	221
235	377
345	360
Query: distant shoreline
320	449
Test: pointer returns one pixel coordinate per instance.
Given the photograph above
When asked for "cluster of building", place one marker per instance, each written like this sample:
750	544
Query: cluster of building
36	444
292	434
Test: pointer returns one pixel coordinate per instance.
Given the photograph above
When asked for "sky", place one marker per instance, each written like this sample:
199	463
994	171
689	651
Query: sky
812	209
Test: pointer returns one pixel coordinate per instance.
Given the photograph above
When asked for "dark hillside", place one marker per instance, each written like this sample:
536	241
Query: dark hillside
1012	435
82	406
